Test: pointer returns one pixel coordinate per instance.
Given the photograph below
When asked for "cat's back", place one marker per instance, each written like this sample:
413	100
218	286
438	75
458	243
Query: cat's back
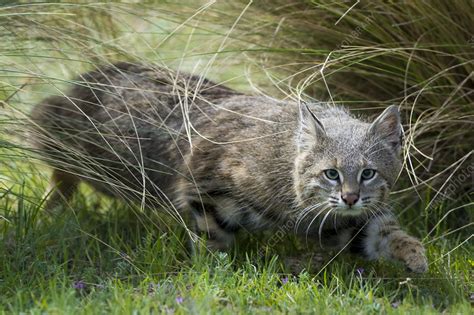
112	91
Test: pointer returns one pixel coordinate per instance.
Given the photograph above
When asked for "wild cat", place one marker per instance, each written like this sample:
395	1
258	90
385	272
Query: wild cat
234	161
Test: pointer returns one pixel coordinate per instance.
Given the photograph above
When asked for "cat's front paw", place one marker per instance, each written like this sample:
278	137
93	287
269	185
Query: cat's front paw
412	253
417	263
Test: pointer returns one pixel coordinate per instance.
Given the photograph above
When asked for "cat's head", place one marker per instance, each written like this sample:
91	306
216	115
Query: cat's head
345	164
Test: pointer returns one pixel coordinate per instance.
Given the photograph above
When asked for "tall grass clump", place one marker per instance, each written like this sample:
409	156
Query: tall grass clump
366	55
46	46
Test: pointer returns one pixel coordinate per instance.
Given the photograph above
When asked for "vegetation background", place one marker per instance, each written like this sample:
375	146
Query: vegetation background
102	256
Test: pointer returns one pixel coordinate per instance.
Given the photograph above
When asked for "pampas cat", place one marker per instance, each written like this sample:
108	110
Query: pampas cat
234	161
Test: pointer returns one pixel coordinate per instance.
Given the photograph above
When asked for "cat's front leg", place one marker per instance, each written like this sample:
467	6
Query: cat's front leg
219	234
383	237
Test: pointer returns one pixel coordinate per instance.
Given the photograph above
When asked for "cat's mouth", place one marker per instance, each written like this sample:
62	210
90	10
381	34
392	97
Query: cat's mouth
352	211
356	209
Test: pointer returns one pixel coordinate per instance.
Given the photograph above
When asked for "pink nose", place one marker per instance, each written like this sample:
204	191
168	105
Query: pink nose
350	199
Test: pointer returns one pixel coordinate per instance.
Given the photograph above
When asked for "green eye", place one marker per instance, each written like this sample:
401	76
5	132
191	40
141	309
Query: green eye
332	174
367	174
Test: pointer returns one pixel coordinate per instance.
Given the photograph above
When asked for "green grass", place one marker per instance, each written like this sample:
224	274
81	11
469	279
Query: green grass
101	256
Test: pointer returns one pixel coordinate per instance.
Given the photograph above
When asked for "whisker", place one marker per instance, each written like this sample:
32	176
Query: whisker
321	226
315	217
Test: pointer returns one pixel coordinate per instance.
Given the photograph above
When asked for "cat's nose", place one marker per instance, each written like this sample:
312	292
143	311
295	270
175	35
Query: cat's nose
350	199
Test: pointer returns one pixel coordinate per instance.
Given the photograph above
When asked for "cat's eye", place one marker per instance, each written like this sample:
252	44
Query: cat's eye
367	174
332	174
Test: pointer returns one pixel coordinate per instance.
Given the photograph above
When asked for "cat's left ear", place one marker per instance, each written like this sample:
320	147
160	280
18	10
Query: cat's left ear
387	127
311	130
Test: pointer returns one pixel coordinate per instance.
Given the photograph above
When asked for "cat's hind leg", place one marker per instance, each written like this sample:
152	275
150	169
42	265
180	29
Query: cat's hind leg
61	188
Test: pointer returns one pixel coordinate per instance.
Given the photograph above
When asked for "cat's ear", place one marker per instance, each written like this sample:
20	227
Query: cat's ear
387	127
310	128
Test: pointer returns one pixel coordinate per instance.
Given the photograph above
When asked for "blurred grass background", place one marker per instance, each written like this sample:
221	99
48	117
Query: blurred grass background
103	256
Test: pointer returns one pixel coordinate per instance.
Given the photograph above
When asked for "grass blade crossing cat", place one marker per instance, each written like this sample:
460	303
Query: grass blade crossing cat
234	161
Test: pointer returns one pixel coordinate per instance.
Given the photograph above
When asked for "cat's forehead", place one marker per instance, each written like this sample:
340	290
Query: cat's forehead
348	145
347	134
